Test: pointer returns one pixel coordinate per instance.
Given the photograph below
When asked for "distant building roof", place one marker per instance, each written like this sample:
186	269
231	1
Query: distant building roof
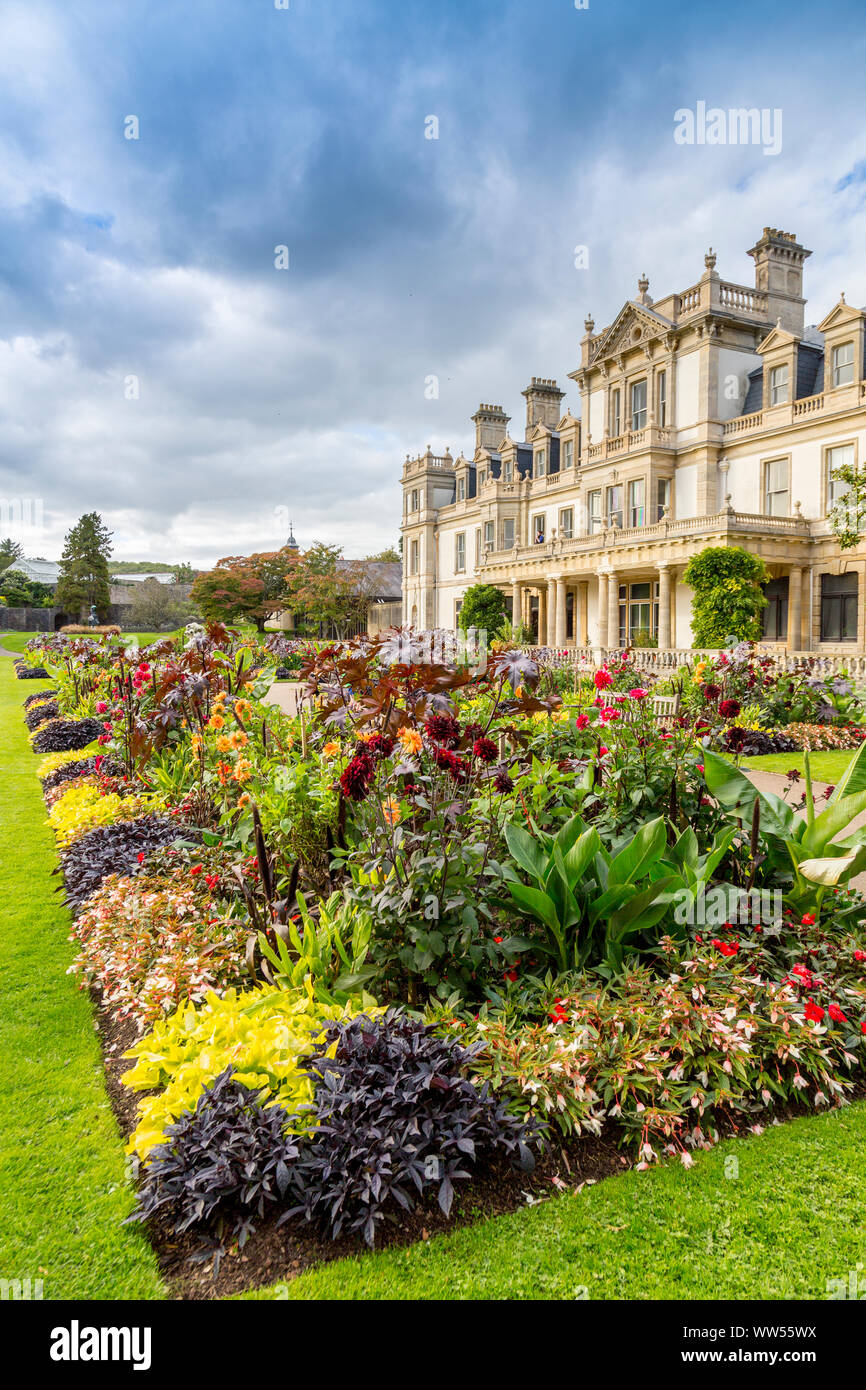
386	577
37	571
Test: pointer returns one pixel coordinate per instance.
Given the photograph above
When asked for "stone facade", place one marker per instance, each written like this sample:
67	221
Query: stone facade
710	417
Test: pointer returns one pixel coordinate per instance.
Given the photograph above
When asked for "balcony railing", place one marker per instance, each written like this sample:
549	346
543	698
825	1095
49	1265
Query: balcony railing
725	522
652	436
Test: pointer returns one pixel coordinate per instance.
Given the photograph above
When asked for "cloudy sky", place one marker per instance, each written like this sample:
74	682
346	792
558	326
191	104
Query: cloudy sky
157	366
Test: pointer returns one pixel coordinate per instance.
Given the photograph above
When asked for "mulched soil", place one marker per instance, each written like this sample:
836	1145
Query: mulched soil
277	1255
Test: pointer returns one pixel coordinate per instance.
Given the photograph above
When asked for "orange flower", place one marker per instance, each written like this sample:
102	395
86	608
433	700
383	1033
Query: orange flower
243	709
223	771
239	740
391	810
331	749
244	800
243	770
223	744
410	739
216	721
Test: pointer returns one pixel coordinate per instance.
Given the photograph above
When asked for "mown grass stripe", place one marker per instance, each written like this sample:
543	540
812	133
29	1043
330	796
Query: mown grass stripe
778	1222
63	1193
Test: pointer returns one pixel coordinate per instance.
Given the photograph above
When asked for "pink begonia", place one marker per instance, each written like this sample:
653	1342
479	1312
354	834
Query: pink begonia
638	693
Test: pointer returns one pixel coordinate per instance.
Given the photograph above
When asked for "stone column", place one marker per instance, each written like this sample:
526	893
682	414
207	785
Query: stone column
602	608
664	633
613	609
795	609
516	603
542	614
559	628
550	612
581	616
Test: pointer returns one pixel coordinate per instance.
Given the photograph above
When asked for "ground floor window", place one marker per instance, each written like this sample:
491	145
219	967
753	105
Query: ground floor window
839	607
776	612
638	614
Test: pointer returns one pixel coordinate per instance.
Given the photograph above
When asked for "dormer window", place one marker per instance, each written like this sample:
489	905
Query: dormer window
482	476
461	489
507	470
567	453
843	364
779	385
540	463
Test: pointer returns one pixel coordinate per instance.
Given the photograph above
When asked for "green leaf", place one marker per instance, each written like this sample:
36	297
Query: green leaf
535	904
835	818
635	860
853	779
526	850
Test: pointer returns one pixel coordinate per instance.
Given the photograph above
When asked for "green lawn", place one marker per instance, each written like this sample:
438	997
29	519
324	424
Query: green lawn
63	1194
825	767
789	1218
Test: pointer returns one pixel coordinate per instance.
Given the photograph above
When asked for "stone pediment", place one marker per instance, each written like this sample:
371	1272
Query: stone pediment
840	315
634	326
777	337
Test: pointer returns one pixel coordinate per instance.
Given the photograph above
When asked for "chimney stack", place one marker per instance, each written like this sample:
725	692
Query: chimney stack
779	258
491	426
543	403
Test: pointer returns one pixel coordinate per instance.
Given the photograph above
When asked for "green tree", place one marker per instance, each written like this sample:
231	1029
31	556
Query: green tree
155	608
84	579
728	598
324	592
389	556
183	574
848	514
9	550
483	608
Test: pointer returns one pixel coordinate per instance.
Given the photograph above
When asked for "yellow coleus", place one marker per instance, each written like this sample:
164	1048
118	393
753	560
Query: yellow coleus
84	807
52	761
263	1033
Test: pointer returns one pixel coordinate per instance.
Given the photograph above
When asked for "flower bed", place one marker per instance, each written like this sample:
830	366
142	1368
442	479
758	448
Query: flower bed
486	880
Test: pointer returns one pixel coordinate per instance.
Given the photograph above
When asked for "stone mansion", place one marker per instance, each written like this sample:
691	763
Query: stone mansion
709	417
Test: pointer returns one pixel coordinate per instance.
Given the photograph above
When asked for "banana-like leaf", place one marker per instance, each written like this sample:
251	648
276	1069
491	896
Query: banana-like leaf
535	903
853	779
635	860
733	790
526	850
830	872
835	818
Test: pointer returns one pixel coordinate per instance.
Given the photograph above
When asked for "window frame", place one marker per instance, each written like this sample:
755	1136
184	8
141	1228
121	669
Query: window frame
662	399
566	533
660	506
610	511
841	603
460	552
775	386
615	421
837	367
829	449
539	463
568	453
506	522
638	414
768	493
635	508
594	517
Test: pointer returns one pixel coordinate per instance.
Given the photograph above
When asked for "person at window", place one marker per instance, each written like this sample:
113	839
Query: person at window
539	537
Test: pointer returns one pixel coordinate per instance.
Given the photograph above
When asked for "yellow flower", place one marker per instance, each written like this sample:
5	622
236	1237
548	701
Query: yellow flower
410	739
391	810
331	749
